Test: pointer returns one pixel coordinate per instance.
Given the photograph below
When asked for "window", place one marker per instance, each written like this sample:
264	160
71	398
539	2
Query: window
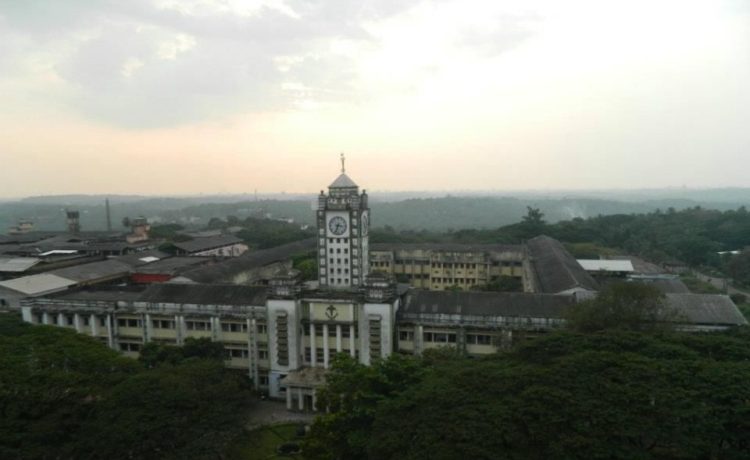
86	320
406	335
346	250
478	339
103	322
236	353
262	328
69	319
263	380
263	352
163	324
234	327
338	250
440	337
198	325
122	322
130	346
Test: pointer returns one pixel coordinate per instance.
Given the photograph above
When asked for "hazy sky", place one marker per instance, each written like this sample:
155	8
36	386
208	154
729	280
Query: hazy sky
171	97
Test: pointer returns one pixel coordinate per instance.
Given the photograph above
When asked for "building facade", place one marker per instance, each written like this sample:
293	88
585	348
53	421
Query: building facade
285	335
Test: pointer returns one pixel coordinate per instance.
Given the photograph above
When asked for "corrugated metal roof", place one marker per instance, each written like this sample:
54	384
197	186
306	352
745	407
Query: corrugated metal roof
94	270
605	265
476	303
206	243
205	294
446	247
708	309
33	285
17	264
224	271
556	270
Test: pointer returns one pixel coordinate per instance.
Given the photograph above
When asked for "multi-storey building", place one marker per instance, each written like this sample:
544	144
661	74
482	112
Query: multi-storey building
450	266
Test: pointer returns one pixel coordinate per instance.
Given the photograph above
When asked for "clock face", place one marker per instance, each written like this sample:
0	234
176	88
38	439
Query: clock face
365	225
337	225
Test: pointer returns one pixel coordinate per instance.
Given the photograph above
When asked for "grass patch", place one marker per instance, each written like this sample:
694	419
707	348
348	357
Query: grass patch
262	443
698	286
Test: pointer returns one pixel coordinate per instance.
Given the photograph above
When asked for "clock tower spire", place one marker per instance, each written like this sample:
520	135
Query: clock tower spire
343	218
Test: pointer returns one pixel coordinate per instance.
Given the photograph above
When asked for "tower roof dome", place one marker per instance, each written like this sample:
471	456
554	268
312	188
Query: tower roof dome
343	181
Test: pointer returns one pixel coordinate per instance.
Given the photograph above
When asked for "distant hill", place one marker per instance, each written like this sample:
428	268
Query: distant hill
462	210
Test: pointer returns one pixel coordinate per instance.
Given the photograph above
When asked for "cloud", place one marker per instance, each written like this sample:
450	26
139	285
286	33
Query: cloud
150	64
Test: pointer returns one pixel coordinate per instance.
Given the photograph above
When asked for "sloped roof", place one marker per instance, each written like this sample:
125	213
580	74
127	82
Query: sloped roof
606	265
94	270
172	265
206	243
226	270
17	264
343	181
33	285
477	303
708	309
205	294
446	247
556	270
137	259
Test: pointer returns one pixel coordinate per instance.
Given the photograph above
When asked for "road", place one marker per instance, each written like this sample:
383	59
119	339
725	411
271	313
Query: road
720	283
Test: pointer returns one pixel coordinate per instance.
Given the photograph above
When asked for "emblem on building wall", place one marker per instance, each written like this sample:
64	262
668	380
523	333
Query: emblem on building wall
331	312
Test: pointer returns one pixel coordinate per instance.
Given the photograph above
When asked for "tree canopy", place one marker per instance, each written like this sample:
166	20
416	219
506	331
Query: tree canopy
66	395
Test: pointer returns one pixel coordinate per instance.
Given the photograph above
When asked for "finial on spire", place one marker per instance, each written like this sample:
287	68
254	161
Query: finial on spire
343	167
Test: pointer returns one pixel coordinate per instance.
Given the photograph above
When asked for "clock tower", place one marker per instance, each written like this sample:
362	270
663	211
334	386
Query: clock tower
343	229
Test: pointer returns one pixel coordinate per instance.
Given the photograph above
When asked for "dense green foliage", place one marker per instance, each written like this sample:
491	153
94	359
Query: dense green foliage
693	236
625	306
66	395
608	395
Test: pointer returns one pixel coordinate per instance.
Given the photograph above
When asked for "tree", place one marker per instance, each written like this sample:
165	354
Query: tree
634	306
609	395
66	395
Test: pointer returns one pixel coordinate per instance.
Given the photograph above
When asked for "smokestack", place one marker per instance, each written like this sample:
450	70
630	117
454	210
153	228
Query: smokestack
73	221
109	216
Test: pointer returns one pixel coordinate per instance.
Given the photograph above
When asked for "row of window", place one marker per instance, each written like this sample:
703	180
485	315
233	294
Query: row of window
331	331
191	325
446	337
338	251
242	353
320	354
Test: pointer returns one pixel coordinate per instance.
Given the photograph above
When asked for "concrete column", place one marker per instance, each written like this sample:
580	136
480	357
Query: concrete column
45	318
26	314
418	339
61	320
110	333
177	330
215	329
148	328
252	341
314	400
288	398
77	322
301	399
352	342
313	351
325	346
338	338
94	323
